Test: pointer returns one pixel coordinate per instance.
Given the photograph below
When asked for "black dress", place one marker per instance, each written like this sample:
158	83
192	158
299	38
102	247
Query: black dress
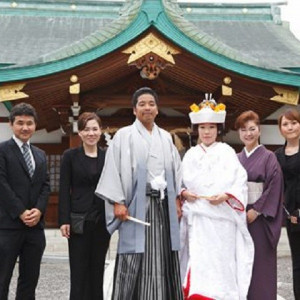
290	165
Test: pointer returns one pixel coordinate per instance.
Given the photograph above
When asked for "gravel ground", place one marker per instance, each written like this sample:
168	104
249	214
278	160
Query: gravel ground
54	280
284	278
53	283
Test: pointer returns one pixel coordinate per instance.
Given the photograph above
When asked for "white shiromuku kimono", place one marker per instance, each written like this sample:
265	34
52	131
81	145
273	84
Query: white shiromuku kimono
217	250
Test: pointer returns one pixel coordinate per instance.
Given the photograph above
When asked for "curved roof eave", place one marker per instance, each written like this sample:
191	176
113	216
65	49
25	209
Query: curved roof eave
43	69
169	26
165	22
130	25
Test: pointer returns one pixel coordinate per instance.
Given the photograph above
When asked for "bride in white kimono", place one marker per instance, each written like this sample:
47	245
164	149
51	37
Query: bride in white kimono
217	249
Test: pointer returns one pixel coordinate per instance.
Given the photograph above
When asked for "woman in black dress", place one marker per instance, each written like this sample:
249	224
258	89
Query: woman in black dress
80	171
289	159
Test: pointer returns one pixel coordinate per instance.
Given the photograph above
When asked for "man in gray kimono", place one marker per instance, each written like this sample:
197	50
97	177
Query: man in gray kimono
141	179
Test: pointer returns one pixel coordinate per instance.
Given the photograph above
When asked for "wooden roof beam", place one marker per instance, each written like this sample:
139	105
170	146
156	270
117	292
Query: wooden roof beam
173	101
168	123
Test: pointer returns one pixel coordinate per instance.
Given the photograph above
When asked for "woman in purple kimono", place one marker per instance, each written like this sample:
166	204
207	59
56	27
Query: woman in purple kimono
264	209
289	159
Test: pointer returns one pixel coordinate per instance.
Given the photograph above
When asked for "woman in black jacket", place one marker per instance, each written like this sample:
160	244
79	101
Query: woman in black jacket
289	159
81	212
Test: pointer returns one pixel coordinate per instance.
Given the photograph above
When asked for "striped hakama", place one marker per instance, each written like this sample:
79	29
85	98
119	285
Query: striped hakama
154	274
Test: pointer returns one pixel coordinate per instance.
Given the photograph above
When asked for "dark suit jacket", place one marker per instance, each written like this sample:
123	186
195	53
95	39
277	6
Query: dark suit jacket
18	191
291	175
77	185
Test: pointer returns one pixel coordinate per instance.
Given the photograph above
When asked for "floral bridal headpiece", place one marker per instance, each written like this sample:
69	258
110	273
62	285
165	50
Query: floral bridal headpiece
208	111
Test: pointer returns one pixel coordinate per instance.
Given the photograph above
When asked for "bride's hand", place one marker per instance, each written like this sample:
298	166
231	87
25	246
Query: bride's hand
218	199
189	196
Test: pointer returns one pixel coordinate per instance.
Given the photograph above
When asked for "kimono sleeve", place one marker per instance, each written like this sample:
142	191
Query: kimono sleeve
177	170
271	197
110	186
238	188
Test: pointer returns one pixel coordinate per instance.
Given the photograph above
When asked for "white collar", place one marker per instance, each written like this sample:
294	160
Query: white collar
19	142
205	148
248	154
142	128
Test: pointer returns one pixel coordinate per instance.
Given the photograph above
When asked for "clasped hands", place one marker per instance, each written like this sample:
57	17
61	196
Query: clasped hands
31	217
214	200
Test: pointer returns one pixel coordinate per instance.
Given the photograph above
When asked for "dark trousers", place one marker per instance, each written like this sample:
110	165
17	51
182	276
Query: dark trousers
27	244
87	253
294	241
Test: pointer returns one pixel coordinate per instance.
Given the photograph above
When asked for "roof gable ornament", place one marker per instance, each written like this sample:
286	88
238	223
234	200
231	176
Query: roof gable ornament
151	55
286	96
152	9
10	92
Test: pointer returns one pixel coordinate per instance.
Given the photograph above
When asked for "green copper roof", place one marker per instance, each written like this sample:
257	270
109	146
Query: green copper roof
127	15
198	35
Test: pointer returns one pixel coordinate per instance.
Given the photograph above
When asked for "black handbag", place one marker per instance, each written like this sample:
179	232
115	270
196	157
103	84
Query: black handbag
77	222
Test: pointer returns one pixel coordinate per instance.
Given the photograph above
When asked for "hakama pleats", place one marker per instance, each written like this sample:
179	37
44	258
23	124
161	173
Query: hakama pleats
154	274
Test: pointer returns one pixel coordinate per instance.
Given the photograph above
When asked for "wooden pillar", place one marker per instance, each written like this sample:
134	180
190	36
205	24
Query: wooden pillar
68	116
74	140
74	91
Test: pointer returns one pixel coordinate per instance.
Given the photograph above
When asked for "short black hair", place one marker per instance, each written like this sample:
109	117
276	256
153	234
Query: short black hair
142	91
22	109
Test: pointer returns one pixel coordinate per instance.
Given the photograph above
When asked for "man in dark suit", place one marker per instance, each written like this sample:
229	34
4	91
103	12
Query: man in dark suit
24	191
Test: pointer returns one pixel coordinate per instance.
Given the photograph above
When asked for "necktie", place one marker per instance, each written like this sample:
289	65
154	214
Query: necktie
27	158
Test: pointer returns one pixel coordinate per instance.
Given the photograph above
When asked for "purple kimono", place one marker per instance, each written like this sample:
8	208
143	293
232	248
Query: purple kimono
262	166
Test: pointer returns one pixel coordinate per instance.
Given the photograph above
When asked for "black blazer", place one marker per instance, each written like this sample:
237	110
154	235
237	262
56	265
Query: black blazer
291	175
77	185
18	191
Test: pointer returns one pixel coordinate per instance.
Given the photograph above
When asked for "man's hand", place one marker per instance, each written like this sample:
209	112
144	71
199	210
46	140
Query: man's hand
178	208
65	230
31	217
24	215
120	211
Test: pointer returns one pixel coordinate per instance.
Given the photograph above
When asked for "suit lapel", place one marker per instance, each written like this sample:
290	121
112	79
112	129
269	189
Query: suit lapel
281	155
81	156
100	160
37	160
17	151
